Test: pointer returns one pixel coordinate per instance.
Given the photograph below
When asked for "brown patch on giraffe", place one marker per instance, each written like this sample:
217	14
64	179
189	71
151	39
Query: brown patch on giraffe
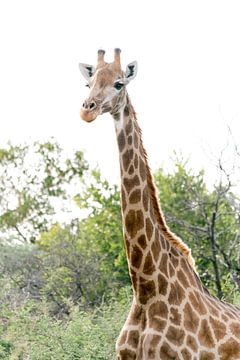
131	170
175	335
197	303
163	242
129	184
136	256
152	346
176	294
235	329
149	267
123	338
146	290
182	278
149	228
135	196
191	319
134	222
142	241
126	111
136	141
205	335
133	338
129	127
186	354
191	343
218	328
130	140
174	260
136	161
145	198
163	264
136	315
157	309
171	269
121	141
175	316
162	285
230	350
127	158
155	247
142	169
127	354
167	353
205	355
123	199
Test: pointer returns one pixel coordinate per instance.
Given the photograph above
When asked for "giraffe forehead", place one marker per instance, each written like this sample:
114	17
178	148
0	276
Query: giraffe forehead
107	75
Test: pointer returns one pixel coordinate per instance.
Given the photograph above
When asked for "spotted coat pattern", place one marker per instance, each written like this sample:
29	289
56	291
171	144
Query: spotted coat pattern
172	315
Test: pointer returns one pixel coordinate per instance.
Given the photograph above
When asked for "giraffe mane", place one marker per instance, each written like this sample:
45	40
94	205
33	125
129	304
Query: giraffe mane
168	234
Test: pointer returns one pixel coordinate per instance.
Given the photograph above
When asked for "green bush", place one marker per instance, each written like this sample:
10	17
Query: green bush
5	348
31	333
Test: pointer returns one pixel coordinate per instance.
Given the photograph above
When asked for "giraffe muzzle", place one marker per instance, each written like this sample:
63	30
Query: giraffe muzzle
89	110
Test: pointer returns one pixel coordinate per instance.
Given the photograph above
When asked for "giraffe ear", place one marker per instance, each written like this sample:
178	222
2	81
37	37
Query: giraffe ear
131	71
87	70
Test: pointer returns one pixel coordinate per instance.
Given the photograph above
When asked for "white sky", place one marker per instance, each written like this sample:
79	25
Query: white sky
186	92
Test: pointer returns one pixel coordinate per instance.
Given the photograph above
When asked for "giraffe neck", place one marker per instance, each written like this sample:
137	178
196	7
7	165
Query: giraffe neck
145	229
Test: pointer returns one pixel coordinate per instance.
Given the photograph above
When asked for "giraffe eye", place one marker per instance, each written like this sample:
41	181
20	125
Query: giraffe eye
87	85
118	85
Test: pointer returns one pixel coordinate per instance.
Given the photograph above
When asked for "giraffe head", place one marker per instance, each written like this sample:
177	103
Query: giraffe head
107	83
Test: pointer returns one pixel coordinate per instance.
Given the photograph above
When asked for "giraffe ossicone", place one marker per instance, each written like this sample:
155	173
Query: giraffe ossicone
172	315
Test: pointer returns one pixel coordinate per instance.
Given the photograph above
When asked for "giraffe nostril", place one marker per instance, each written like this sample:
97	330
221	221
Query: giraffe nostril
89	105
92	105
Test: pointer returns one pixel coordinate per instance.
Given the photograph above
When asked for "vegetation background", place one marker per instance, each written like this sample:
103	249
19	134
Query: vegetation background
64	285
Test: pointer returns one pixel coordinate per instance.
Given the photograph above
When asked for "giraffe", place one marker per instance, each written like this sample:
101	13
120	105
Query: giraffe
172	316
